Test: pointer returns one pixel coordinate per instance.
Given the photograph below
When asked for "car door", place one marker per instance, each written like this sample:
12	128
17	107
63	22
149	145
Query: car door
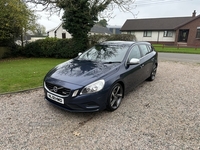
146	60
133	73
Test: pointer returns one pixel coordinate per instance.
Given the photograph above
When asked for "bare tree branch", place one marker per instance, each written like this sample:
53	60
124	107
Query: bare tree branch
106	6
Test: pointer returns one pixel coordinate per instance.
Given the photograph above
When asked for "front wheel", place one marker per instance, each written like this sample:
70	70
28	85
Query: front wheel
153	73
115	97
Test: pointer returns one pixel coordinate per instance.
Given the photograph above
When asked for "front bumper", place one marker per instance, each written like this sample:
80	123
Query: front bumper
82	103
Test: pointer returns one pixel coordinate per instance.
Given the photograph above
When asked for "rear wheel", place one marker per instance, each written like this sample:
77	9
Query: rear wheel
115	97
153	73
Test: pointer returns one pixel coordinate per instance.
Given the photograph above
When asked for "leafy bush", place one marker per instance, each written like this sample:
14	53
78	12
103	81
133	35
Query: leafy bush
32	50
47	47
94	39
11	50
51	47
5	41
65	48
122	37
15	50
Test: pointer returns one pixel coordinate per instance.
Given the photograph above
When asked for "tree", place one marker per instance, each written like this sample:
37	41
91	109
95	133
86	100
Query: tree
39	30
15	20
80	15
80	24
103	22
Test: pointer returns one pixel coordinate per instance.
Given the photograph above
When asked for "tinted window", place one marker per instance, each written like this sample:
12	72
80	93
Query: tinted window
152	48
149	48
135	53
144	49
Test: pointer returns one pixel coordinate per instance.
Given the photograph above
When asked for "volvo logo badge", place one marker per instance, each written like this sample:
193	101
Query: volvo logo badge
55	89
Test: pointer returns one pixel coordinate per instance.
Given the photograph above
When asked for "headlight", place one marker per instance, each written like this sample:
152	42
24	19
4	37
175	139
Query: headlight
93	87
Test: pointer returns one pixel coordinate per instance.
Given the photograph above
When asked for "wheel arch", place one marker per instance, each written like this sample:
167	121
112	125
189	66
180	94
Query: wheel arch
121	83
123	86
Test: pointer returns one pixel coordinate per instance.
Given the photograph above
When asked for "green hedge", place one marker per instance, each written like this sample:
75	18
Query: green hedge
11	50
94	39
50	47
3	51
65	48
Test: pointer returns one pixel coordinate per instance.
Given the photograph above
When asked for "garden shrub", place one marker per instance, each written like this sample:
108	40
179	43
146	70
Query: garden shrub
51	47
94	39
47	47
11	50
66	48
122	37
32	50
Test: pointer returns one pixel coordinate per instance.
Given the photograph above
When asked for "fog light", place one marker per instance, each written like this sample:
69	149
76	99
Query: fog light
75	93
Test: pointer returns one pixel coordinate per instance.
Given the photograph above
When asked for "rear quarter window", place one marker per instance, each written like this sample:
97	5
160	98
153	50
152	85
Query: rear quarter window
144	49
150	48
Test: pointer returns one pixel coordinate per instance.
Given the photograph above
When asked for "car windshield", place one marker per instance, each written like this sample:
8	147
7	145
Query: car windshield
105	53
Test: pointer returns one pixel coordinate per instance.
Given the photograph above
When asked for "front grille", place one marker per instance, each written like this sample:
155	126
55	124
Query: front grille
57	89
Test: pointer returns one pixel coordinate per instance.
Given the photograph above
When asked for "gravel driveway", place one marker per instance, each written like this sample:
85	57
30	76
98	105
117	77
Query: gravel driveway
159	115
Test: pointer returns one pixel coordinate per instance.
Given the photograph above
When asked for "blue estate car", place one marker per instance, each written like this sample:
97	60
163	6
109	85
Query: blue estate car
100	77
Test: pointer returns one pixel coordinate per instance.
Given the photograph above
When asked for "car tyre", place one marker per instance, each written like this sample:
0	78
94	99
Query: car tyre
153	73
115	97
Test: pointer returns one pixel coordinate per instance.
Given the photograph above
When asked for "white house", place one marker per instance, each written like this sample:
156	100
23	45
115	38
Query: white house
61	33
173	30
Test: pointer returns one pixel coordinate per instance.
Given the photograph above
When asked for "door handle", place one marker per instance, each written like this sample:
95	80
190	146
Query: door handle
141	66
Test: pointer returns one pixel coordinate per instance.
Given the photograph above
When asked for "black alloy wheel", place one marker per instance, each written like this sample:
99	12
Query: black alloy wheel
115	97
153	73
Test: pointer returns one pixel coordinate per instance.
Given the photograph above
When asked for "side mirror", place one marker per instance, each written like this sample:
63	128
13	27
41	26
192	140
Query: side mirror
133	61
79	54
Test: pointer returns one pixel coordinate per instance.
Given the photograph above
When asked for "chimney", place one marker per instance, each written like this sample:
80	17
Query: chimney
194	13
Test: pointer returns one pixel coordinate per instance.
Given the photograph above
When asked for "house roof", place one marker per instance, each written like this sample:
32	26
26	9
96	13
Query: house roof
55	29
114	26
95	29
100	29
155	23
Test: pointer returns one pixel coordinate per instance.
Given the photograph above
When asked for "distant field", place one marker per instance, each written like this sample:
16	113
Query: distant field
176	49
21	74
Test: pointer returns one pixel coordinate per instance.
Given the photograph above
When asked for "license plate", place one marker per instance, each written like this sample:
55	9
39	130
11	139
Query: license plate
55	98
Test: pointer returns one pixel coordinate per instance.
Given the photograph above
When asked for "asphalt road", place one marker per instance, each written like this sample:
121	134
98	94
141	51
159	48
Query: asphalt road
179	57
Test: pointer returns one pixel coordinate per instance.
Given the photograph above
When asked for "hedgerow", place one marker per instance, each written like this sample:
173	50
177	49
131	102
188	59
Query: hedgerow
50	47
66	48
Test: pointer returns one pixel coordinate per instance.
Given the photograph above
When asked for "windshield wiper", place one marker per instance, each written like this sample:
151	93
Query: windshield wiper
111	62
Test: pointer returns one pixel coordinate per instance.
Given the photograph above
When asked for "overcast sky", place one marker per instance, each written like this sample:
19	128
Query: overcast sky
143	9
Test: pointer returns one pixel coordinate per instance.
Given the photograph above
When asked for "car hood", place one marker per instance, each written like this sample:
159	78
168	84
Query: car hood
82	72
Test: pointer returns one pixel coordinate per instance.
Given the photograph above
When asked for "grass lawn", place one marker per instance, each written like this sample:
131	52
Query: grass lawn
176	49
22	74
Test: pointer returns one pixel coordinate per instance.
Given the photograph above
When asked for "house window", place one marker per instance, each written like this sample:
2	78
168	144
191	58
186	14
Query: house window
63	35
131	32
147	33
198	33
168	33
